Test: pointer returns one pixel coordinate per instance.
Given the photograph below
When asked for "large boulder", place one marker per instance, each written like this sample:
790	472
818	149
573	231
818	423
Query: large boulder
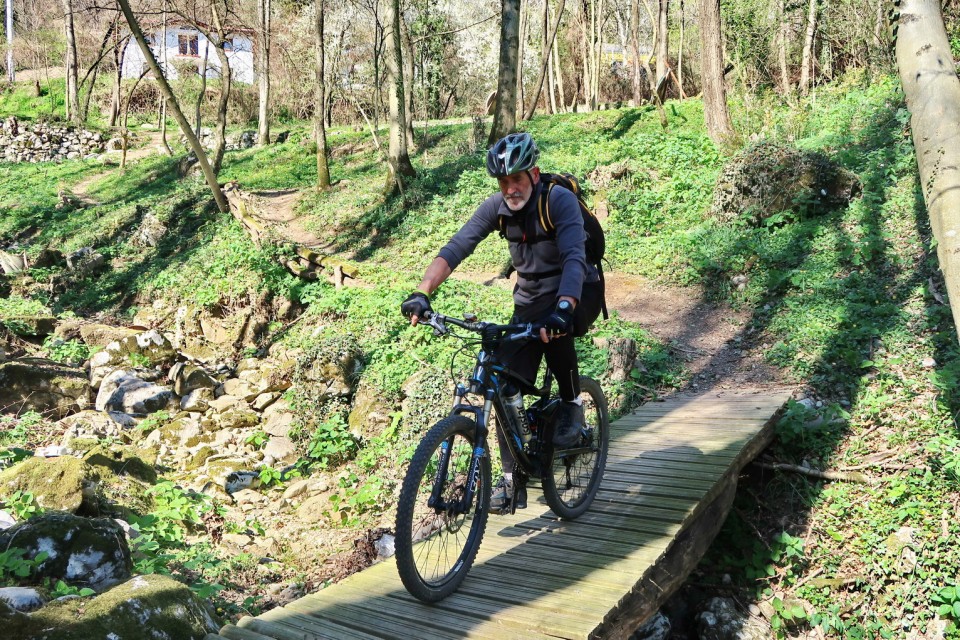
91	425
720	619
145	349
769	177
371	415
83	552
120	460
30	325
151	606
35	384
330	370
125	391
100	335
188	377
63	483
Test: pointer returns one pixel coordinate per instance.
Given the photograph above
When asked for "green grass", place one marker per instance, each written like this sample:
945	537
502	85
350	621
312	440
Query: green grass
23	102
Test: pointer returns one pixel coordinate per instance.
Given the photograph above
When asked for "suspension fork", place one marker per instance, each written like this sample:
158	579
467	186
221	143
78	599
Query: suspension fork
436	501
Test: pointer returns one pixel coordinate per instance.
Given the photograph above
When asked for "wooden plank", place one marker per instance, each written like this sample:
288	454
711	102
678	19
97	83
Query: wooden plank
294	626
232	632
481	611
355	616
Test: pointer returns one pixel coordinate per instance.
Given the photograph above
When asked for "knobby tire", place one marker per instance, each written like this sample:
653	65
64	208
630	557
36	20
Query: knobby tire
435	550
571	481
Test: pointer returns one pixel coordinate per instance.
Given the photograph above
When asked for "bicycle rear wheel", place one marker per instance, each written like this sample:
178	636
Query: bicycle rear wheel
572	476
436	545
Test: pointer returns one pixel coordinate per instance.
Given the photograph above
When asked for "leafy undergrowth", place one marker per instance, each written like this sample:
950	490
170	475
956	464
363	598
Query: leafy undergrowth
848	302
851	304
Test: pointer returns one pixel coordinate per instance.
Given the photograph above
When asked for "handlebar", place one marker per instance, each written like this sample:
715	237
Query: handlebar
512	332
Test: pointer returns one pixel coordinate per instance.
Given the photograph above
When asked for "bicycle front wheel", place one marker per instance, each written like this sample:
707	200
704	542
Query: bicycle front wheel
438	530
572	476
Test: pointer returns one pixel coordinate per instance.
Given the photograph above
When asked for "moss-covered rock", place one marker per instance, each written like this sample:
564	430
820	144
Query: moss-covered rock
85	552
769	177
30	325
64	484
200	457
370	414
143	608
121	460
36	384
100	335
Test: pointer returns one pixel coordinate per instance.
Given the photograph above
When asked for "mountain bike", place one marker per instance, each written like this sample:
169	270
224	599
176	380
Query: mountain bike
445	498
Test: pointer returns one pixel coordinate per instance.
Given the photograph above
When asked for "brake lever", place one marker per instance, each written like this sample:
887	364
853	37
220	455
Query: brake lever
439	328
527	334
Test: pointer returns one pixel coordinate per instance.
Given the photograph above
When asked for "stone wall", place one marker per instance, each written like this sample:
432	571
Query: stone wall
22	142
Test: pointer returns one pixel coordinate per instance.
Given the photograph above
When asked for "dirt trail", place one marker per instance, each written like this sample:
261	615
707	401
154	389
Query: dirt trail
710	338
146	144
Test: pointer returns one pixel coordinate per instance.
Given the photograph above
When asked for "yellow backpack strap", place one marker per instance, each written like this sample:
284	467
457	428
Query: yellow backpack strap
544	211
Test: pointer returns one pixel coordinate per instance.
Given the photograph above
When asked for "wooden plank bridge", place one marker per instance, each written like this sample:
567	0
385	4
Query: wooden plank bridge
670	479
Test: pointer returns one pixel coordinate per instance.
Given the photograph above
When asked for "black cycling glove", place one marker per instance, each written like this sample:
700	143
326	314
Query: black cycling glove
560	320
416	304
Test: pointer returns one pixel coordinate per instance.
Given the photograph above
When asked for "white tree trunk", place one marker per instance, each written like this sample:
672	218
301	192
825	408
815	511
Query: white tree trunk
933	97
263	79
663	38
11	75
70	63
807	59
786	87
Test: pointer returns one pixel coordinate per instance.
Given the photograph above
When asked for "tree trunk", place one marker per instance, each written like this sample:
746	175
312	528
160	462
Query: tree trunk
786	87
203	86
118	56
226	83
559	71
933	97
663	38
548	54
807	59
175	107
635	48
399	167
521	51
320	93
680	54
651	78
715	112
263	79
596	23
505	113
11	75
548	46
408	86
586	50
70	63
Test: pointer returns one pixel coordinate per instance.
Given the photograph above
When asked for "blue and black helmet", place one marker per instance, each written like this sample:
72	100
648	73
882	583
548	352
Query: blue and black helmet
512	154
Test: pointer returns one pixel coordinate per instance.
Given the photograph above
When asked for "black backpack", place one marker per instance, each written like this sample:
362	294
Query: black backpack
595	244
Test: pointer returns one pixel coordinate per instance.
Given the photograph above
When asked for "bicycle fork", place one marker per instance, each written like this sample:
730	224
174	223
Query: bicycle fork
462	504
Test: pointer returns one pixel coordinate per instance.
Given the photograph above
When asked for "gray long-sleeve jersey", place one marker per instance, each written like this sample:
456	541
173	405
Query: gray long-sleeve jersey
532	250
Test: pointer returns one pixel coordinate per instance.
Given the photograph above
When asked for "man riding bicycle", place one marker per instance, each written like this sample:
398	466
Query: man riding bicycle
556	287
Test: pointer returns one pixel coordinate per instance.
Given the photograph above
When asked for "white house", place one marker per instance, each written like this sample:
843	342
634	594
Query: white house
188	44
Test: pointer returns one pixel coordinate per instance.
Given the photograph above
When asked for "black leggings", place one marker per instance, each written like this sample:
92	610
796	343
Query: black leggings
524	357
